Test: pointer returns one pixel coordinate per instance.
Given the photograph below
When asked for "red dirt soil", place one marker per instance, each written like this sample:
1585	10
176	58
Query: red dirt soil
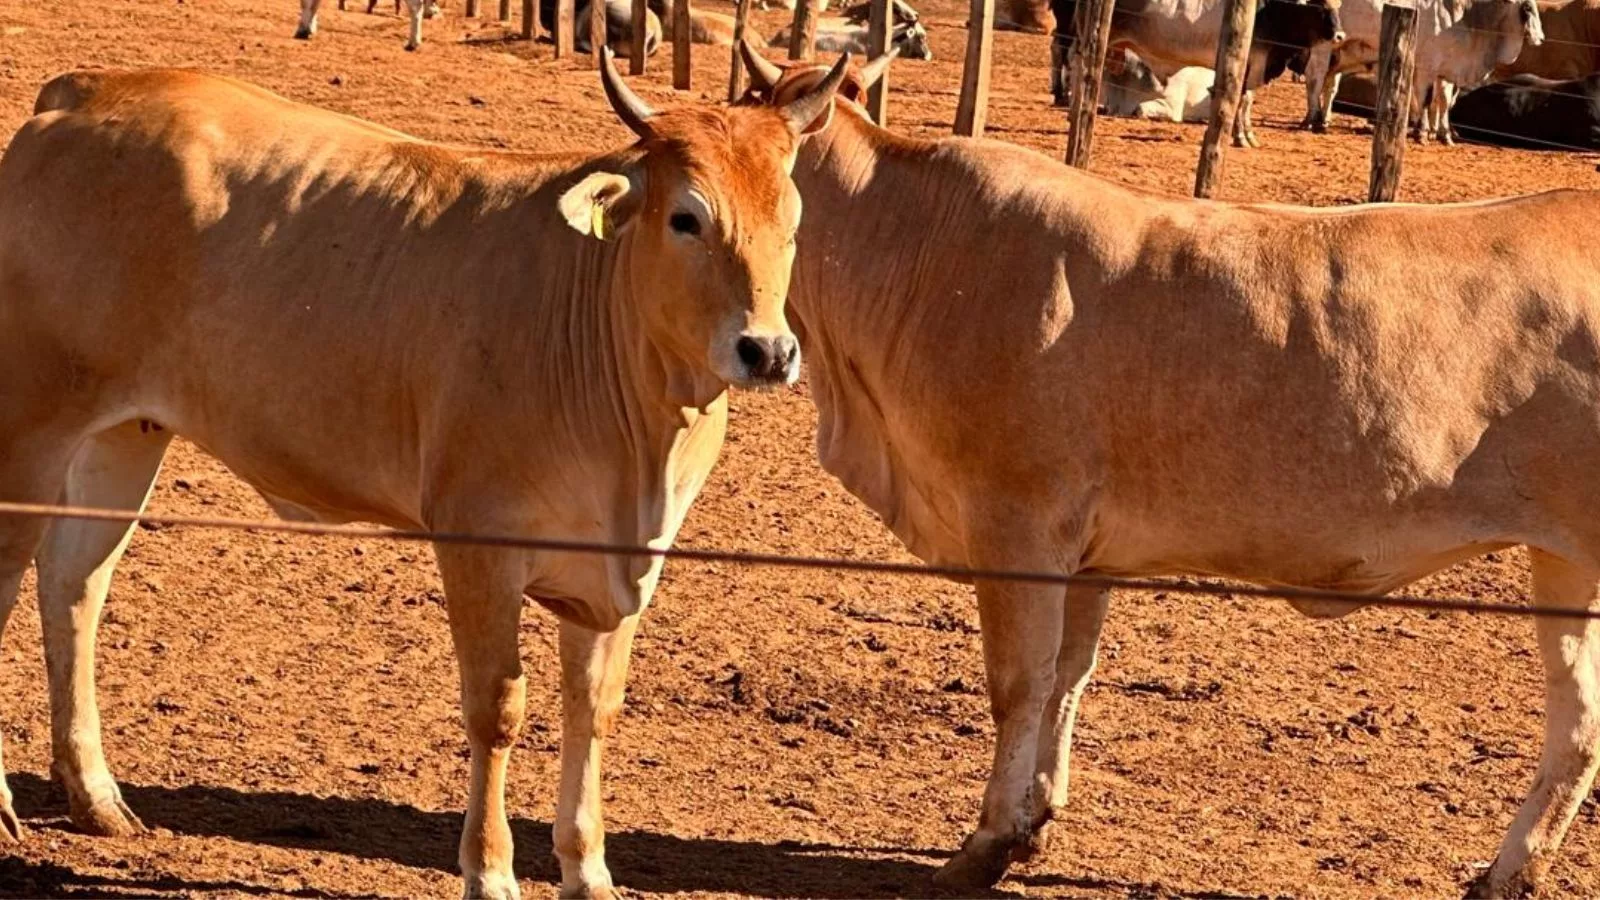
282	711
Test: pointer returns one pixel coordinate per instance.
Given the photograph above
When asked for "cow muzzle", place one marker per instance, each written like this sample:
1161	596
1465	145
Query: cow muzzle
767	361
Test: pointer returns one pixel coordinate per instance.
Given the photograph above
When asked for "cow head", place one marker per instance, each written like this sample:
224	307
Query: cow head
1332	26
912	39
705	217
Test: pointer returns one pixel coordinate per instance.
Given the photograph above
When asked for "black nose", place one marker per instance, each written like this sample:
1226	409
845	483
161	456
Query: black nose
768	358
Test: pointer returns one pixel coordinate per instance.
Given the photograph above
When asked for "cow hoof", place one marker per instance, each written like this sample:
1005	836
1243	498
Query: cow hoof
302	34
1484	888
1252	140
491	886
412	48
590	892
978	866
1037	842
109	817
1319	127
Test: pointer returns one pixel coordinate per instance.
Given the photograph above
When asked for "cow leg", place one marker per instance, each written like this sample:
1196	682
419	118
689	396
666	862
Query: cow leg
308	19
414	8
483	592
1571	652
1022	627
1447	99
1082	617
10	589
1321	87
594	667
115	469
1058	77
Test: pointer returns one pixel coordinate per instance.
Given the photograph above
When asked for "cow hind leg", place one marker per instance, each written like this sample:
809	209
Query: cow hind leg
1570	649
1085	612
114	469
594	668
32	470
1022	627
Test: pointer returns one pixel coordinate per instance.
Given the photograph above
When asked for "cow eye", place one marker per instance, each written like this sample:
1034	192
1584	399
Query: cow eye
684	223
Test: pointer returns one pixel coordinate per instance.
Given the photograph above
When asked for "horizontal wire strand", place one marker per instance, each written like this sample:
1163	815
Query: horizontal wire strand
774	560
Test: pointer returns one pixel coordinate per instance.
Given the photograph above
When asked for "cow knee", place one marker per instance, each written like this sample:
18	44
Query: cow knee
494	716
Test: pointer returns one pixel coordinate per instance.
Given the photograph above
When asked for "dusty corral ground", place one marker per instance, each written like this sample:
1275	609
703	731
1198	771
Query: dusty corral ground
282	712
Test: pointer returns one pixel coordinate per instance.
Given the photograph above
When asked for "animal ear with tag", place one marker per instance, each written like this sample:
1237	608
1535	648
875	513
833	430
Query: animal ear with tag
600	205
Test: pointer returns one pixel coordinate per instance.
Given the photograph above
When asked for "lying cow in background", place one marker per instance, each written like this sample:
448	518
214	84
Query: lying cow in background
840	35
1069	411
1131	89
1571	47
1172	34
711	28
1490	34
1029	16
469	304
1532	113
619	26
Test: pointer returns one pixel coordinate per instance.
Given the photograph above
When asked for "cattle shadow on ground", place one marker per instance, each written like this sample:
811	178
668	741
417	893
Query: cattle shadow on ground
22	878
381	830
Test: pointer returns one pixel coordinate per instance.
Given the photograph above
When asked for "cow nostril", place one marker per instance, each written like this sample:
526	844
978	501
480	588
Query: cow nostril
751	353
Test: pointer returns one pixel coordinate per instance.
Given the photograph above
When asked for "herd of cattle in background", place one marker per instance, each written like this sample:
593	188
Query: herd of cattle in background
1520	73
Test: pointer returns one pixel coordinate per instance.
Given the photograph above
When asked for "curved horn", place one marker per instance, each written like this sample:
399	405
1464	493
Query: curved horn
633	112
805	109
764	75
872	71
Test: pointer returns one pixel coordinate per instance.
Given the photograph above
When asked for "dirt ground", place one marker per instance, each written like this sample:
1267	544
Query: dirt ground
282	711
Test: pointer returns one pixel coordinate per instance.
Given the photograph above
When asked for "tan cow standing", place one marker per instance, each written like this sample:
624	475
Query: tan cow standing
1151	386
366	326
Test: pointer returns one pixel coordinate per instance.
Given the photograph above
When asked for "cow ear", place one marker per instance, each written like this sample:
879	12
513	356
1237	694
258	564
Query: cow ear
598	205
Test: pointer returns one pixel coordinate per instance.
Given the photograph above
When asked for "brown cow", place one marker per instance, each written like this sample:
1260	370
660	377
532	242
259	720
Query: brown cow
366	326
1148	385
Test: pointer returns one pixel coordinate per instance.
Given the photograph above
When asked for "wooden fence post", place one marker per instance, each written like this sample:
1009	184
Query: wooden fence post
741	15
879	28
681	32
1091	38
1233	58
530	21
641	10
563	35
973	107
505	10
472	9
597	25
803	34
1397	67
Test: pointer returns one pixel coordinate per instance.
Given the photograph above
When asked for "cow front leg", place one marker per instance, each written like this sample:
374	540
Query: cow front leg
1021	635
1570	649
10	588
415	9
483	592
1084	613
308	19
594	669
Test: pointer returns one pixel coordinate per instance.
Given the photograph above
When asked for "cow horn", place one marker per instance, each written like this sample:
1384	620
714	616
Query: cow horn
764	75
634	112
872	71
805	109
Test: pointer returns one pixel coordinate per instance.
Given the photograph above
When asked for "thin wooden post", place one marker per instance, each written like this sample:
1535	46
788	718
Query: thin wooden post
472	9
597	26
1397	67
681	33
563	34
505	10
530	21
973	107
741	15
1091	38
803	34
640	15
880	26
1233	57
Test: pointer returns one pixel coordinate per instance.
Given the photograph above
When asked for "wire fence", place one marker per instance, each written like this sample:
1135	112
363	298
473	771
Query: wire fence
782	561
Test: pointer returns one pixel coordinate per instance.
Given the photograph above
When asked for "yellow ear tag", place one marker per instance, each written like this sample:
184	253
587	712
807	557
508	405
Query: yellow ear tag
597	221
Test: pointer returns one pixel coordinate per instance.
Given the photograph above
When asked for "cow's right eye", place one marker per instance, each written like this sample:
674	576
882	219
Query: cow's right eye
684	223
